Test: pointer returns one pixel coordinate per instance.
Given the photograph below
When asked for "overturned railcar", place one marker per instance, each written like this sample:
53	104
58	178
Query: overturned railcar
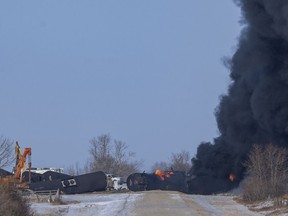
67	184
169	180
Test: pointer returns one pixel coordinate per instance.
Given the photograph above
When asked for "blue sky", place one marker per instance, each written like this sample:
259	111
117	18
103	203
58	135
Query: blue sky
148	73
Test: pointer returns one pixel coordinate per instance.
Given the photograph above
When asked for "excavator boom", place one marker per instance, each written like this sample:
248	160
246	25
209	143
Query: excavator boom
22	163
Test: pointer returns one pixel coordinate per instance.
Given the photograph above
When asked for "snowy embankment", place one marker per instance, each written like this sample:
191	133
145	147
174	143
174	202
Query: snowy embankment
99	204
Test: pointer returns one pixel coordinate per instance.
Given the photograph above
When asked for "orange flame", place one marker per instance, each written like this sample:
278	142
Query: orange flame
232	177
163	175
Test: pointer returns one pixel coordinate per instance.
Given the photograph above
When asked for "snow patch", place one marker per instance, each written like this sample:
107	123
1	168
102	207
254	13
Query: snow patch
89	205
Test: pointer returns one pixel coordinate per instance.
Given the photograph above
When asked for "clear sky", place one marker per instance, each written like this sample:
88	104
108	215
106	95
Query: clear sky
147	72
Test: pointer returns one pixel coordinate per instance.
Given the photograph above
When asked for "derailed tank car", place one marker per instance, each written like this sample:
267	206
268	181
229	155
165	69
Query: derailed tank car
168	180
90	182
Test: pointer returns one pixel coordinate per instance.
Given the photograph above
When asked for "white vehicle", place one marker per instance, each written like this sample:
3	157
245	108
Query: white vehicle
43	170
115	182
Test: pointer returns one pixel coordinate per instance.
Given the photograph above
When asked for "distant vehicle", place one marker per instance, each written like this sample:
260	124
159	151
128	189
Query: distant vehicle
43	170
115	182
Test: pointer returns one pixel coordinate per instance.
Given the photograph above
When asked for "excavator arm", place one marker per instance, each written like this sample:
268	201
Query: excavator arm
22	163
16	178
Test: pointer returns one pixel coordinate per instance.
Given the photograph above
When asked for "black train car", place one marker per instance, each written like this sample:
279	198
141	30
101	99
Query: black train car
171	180
95	181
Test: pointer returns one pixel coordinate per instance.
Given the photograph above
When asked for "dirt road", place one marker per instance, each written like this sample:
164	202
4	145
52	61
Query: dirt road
148	203
158	203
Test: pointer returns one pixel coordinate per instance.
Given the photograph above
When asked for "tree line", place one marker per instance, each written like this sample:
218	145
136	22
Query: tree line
267	173
108	155
114	157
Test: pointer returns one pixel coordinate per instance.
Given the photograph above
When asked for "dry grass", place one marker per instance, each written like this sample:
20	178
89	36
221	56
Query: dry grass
12	203
268	207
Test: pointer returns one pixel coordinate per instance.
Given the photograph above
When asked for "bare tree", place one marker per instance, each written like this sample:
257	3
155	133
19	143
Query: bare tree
101	153
6	152
267	172
181	161
177	161
120	153
112	158
74	169
87	165
163	166
123	163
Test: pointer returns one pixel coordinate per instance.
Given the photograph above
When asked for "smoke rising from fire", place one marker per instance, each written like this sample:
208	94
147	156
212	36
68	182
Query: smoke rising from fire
255	109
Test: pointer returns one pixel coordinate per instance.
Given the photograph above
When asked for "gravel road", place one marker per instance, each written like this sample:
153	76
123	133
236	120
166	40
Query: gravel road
166	203
160	203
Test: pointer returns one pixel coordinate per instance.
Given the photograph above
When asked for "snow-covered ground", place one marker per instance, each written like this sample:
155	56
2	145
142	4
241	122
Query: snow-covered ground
89	205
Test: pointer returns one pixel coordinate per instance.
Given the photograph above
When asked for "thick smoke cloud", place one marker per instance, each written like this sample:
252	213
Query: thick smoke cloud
255	110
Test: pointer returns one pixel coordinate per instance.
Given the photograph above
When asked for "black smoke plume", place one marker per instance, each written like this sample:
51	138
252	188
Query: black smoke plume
255	109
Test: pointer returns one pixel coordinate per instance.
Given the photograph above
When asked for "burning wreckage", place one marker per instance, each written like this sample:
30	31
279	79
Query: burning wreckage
177	181
255	108
99	181
48	179
159	180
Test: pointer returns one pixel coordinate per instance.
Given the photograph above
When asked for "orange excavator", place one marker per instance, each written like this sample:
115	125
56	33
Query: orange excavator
21	162
16	178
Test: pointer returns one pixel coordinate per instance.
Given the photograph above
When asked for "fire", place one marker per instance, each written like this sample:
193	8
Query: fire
232	177
163	175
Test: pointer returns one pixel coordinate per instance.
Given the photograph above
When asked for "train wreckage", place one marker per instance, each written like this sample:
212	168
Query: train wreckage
159	180
55	179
